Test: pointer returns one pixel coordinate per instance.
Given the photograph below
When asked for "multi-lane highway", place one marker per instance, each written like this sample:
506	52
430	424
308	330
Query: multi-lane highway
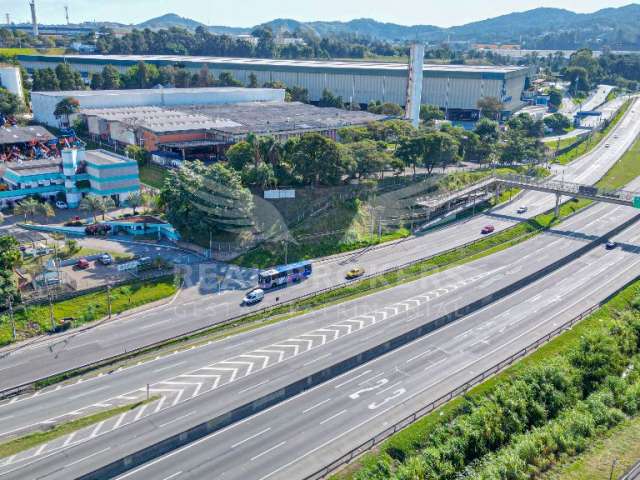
51	355
231	378
241	369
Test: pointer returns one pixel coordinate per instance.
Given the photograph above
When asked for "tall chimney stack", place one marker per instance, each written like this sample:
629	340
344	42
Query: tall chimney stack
66	13
8	19
414	84
34	20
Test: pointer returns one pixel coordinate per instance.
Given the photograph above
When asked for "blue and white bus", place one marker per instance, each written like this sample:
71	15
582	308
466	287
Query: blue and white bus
282	275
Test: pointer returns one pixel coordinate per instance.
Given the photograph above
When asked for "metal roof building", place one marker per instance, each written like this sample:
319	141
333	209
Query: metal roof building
43	104
451	87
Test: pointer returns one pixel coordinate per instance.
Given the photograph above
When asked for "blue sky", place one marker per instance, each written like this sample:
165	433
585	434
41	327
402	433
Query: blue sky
251	12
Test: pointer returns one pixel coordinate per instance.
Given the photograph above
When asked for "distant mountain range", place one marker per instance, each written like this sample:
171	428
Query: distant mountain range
537	28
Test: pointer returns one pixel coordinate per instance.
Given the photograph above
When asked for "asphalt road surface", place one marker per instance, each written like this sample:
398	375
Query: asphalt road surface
390	312
49	355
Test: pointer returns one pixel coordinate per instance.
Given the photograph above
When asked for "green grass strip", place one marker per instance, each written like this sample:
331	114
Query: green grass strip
31	440
594	139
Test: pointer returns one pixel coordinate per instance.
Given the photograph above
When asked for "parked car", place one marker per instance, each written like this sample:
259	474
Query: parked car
610	245
355	272
253	297
105	259
487	229
82	264
97	229
522	210
61	205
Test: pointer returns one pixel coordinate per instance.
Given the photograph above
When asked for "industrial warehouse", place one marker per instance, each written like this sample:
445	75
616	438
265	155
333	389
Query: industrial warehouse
206	131
454	88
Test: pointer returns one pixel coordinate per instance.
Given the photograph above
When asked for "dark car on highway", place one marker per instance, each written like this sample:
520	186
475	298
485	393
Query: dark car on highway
487	229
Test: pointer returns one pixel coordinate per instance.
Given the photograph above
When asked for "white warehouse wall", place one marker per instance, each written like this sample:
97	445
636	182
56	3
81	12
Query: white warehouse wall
43	104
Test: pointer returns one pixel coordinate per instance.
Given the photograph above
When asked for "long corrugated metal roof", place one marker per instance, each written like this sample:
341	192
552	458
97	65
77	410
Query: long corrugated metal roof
247	63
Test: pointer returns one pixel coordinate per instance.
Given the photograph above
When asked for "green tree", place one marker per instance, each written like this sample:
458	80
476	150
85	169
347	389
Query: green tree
10	258
45	80
410	152
368	158
390	109
139	154
96	81
29	207
66	107
298	94
557	122
430	113
134	200
95	204
439	149
111	79
490	107
488	130
253	80
10	103
317	160
199	200
69	78
328	99
555	97
226	80
240	154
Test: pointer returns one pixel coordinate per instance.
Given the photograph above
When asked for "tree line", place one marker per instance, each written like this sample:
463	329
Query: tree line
202	198
179	41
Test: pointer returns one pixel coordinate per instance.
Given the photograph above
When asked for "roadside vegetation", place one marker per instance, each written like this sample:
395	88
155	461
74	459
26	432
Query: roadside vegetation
584	147
608	456
31	440
546	408
36	320
152	175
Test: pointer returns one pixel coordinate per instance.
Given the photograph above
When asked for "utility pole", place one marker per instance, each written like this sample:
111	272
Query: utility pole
51	316
109	300
66	13
613	466
13	323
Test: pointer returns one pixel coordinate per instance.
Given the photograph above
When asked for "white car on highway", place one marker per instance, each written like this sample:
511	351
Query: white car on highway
253	297
522	210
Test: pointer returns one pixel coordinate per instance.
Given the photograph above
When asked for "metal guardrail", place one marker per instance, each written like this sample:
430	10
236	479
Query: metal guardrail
633	474
462	389
32	385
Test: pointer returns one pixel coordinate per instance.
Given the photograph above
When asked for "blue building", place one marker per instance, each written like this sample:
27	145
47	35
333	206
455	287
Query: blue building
76	174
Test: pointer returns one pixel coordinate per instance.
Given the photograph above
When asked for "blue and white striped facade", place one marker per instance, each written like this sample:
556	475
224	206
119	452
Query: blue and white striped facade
79	173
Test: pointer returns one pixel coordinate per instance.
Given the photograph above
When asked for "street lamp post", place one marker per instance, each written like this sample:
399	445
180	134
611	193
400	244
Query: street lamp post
13	323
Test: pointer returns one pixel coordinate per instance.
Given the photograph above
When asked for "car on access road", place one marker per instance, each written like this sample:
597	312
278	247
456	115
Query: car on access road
82	264
610	245
487	229
522	210
105	259
253	297
355	272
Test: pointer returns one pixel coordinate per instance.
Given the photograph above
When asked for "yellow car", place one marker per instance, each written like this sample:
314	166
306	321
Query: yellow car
355	273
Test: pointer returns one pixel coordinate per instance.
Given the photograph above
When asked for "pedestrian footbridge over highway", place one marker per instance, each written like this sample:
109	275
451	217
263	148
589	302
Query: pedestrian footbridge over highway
560	188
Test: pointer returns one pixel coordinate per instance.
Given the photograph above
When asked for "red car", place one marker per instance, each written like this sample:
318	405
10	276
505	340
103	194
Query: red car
487	229
82	264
